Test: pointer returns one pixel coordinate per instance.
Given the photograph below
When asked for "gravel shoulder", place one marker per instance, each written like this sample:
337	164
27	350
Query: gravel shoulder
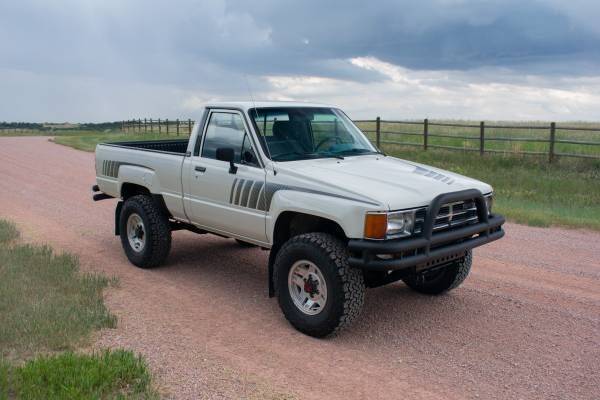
526	324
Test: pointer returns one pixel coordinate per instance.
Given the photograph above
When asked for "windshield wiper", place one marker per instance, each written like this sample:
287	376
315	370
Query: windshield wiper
328	155
306	156
291	153
361	151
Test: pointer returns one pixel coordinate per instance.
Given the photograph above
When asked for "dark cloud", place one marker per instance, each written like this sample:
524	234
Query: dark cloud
214	46
168	40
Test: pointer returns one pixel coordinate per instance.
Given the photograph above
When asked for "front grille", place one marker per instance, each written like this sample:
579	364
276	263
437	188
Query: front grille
450	216
453	215
419	220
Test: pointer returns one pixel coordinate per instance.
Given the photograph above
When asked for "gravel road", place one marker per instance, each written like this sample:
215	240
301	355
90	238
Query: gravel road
526	324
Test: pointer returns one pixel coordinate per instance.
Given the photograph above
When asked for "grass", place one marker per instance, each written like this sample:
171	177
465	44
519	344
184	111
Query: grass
455	136
45	303
88	141
106	374
48	306
53	132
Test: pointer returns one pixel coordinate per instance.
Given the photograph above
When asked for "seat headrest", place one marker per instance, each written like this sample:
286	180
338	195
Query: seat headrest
289	129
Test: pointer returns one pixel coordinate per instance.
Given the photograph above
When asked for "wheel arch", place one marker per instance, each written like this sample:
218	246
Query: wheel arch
128	190
291	223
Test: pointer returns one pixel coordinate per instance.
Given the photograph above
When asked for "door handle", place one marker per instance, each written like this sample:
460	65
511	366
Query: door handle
200	168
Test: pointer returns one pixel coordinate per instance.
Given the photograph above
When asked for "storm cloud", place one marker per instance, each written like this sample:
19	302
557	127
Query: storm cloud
106	60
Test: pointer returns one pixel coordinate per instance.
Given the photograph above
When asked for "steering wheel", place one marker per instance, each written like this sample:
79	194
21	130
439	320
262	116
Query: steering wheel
338	140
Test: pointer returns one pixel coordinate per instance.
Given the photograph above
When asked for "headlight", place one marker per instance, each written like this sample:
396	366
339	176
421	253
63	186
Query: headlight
489	202
382	225
400	223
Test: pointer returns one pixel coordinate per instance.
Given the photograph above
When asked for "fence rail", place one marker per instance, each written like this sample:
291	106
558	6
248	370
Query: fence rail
550	140
166	126
488	138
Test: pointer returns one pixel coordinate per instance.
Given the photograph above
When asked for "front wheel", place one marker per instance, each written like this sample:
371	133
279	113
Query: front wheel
317	290
444	279
145	232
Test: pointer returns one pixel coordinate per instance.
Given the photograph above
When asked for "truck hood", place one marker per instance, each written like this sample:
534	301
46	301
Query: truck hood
394	183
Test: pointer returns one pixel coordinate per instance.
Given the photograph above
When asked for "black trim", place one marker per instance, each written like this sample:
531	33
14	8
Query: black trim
138	145
118	209
200	134
101	196
429	249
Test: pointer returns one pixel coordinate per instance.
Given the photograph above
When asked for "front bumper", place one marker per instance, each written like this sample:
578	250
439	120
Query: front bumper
429	249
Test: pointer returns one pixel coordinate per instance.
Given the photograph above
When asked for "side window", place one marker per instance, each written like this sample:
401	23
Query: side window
227	130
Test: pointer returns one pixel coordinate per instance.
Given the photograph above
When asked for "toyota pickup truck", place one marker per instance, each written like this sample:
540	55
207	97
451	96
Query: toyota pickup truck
302	181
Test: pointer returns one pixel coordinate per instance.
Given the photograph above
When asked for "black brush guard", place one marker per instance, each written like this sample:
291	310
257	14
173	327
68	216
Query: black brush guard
429	249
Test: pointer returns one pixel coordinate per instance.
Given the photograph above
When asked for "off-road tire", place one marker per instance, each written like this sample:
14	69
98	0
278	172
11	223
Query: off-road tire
445	279
345	285
158	231
244	244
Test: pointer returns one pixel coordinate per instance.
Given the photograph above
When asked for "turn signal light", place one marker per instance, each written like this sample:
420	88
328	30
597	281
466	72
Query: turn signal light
375	225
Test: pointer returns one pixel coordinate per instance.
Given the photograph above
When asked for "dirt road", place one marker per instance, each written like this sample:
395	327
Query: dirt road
526	324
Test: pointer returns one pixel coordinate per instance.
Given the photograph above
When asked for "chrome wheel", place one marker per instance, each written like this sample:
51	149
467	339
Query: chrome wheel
136	232
307	287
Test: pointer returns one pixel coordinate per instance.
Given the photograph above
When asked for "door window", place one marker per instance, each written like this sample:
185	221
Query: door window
227	130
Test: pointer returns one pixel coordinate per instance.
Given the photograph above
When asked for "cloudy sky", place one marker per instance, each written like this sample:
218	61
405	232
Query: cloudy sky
97	60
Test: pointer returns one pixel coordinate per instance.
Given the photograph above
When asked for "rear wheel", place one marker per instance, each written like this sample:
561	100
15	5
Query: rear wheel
145	232
317	290
444	279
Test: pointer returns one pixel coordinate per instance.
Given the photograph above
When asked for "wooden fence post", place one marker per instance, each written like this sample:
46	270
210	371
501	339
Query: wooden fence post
167	125
139	124
481	138
145	126
177	126
425	133
159	126
123	126
378	133
189	126
552	141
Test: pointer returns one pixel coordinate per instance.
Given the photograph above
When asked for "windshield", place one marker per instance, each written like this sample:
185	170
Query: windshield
299	133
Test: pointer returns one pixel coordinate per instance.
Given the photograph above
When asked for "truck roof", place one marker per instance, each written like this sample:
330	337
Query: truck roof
245	105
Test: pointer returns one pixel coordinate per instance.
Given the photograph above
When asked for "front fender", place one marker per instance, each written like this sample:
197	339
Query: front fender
347	213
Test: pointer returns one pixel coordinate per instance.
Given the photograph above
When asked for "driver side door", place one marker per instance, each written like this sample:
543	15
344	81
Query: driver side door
221	199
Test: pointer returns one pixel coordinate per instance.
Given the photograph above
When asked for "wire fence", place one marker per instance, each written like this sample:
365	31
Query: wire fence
581	140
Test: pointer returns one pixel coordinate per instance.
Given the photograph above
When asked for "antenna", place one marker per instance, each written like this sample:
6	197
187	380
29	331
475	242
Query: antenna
264	134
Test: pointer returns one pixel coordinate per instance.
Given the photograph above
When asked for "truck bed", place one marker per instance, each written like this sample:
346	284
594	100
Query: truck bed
178	146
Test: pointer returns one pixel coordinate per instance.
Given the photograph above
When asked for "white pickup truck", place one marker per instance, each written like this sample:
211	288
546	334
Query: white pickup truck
302	181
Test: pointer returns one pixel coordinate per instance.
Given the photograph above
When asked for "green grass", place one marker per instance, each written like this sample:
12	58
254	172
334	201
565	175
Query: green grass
53	132
413	134
45	303
106	374
47	306
8	232
88	141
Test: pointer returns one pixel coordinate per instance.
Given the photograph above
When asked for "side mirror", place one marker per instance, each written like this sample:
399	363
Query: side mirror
227	154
